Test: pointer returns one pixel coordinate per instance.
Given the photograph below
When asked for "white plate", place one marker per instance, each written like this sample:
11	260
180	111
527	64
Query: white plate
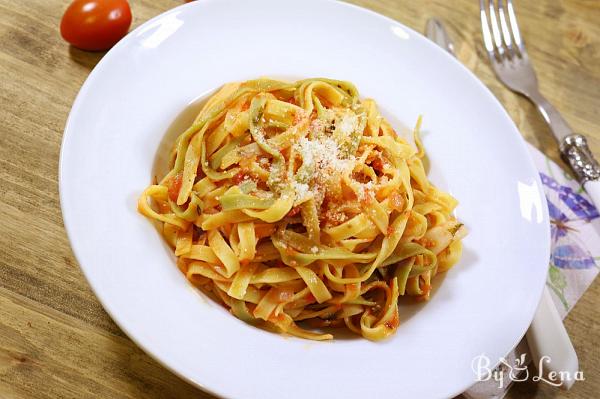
484	304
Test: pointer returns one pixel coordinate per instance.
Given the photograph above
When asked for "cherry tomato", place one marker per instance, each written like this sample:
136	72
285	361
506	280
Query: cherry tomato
95	24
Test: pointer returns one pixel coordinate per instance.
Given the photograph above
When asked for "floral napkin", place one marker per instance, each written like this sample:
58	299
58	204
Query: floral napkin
574	260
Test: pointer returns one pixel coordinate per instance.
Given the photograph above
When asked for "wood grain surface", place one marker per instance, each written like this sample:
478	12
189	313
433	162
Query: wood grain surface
56	341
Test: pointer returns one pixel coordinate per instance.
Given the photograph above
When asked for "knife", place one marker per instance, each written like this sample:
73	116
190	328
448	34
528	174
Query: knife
547	337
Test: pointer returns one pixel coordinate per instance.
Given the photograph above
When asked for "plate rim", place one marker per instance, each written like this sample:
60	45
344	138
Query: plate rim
97	70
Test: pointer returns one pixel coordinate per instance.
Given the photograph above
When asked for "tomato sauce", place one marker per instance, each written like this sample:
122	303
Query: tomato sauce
175	186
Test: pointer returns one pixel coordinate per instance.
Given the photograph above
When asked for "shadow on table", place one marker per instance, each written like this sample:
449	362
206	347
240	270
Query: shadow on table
140	375
88	59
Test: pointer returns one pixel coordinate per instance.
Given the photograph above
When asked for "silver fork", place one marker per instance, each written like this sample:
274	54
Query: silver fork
507	54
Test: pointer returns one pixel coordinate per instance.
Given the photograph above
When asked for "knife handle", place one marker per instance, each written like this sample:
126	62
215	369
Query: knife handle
549	343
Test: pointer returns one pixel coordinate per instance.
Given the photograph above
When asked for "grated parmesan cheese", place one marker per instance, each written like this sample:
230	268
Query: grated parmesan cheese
247	185
302	190
323	156
260	136
365	190
348	123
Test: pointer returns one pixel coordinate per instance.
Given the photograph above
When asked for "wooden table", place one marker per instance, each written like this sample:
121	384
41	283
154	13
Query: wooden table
56	341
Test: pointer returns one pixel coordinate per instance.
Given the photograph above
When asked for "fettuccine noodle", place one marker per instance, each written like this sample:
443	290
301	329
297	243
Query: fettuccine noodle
298	203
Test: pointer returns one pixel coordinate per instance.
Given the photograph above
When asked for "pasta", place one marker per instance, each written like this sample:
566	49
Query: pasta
298	207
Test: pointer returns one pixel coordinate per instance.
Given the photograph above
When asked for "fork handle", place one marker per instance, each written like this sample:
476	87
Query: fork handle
573	147
577	154
553	118
575	151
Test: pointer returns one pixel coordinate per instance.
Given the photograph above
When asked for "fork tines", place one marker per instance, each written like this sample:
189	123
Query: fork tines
502	40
